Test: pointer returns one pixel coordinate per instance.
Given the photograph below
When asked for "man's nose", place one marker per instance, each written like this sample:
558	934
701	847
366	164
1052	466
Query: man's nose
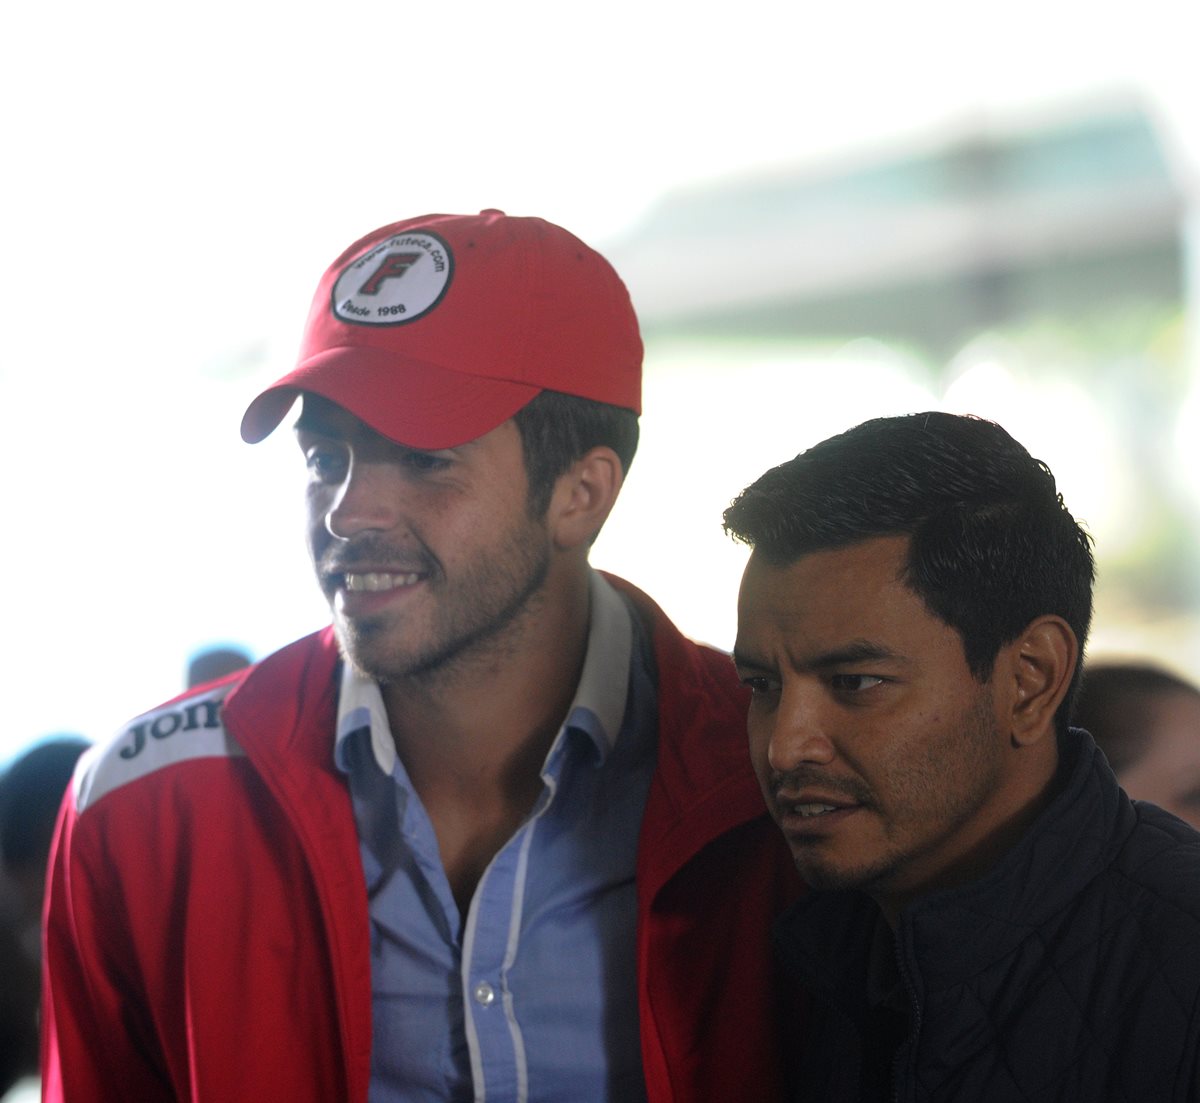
369	499
799	735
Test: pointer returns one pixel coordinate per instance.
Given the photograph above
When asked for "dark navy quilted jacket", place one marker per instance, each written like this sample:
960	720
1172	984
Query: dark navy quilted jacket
1069	973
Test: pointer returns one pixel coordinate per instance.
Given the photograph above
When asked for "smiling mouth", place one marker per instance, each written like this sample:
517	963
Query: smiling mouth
373	582
806	811
808	814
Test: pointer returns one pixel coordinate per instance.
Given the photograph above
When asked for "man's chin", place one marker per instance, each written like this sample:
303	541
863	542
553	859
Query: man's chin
363	648
821	879
371	654
828	877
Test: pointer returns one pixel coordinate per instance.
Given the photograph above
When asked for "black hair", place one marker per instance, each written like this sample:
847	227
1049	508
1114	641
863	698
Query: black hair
557	429
992	546
31	789
1115	705
210	663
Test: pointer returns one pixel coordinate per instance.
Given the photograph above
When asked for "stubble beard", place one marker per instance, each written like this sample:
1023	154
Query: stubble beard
476	619
952	808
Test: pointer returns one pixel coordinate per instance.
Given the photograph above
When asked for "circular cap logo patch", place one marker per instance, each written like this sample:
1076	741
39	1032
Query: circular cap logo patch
395	281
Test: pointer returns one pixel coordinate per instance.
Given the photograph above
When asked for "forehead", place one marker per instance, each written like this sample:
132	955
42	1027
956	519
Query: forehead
828	601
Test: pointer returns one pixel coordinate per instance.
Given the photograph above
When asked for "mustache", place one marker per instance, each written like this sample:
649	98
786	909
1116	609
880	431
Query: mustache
812	777
373	551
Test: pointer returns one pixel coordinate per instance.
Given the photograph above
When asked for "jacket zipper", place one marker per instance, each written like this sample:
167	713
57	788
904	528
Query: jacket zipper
909	1045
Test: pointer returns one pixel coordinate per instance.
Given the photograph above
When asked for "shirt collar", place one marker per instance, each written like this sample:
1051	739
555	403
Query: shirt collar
360	706
597	708
604	683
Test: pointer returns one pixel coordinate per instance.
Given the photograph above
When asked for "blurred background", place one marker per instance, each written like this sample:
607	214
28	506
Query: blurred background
824	213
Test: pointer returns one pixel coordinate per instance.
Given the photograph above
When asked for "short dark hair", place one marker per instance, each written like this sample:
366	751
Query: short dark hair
992	546
1115	704
31	790
557	429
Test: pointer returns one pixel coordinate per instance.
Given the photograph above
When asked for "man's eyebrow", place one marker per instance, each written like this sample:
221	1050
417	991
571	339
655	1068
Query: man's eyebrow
741	659
856	651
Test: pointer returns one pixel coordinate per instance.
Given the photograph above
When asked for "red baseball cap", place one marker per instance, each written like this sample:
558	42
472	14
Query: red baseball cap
435	330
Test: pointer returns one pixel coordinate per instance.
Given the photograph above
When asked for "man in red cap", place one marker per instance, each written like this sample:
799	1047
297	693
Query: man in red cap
493	835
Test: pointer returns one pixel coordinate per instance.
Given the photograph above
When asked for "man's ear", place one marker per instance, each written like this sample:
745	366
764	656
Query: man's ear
1041	664
584	496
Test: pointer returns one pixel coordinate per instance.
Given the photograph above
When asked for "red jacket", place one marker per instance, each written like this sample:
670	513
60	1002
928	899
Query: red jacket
206	924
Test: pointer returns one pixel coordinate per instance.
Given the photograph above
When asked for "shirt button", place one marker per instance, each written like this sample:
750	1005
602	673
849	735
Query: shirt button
485	994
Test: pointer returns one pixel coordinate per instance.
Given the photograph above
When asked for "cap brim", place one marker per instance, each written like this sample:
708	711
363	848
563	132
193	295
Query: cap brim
410	402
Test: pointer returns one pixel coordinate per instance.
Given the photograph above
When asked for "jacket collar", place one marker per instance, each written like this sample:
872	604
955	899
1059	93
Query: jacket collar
950	935
704	786
954	932
284	712
285	706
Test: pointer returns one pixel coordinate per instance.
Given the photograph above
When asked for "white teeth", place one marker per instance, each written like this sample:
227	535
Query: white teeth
814	809
375	581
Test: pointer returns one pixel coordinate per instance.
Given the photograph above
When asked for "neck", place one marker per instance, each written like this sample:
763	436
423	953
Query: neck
487	723
474	742
987	841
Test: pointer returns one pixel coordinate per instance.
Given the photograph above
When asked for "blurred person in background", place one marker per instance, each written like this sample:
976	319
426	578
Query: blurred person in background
1146	720
398	857
212	663
991	919
31	792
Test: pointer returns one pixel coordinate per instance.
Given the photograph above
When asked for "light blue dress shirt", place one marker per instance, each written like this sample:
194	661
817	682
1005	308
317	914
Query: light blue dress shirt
537	1000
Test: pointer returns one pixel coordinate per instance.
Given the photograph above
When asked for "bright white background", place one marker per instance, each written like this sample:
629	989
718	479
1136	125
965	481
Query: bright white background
176	178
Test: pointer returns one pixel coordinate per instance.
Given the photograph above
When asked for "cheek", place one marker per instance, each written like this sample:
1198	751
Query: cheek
316	505
909	756
316	534
758	737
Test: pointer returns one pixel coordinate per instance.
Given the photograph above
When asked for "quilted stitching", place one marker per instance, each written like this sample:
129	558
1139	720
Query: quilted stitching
1071	972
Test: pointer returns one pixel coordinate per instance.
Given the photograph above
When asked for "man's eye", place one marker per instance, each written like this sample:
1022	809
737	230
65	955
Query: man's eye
757	684
854	683
326	464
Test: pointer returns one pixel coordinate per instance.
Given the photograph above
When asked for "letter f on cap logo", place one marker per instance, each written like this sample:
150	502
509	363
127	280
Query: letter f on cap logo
393	267
395	281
